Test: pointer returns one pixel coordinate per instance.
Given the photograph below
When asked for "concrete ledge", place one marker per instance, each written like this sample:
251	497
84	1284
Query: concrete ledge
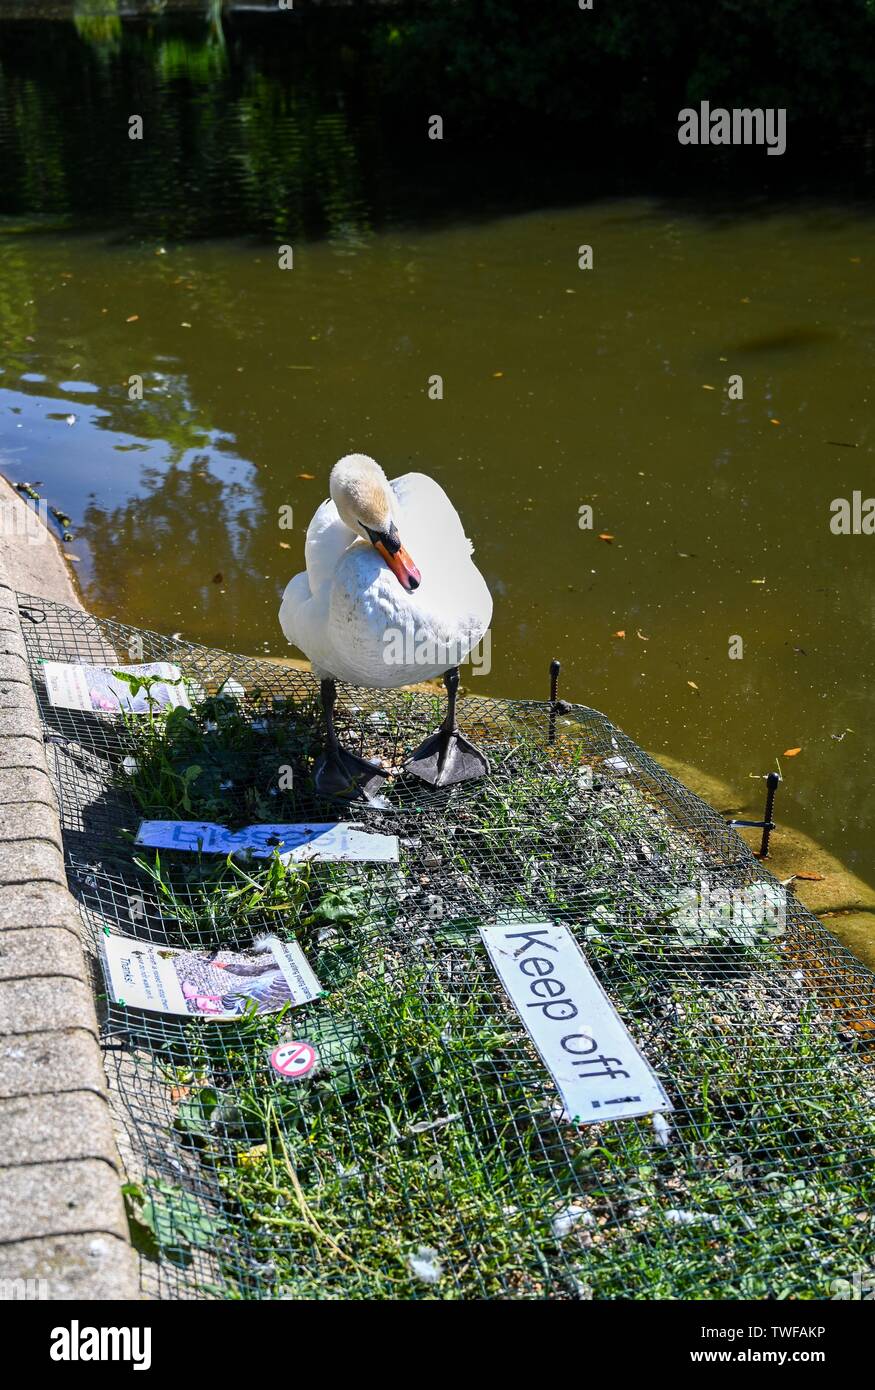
37	905
62	1217
33	861
26	752
40	1002
50	1063
24	784
88	1267
26	819
8	619
13	666
54	1128
61	1198
11	646
55	951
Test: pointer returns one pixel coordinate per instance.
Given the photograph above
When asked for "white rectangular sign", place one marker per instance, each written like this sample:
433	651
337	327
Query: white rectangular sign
98	690
215	984
599	1071
324	842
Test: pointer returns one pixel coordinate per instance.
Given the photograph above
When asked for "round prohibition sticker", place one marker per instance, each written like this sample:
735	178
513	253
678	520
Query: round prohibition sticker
293	1059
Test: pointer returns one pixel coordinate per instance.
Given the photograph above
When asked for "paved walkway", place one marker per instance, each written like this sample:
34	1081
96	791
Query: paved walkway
62	1221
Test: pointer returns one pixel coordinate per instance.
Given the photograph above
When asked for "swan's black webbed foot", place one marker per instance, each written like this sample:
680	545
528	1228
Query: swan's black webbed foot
339	773
447	757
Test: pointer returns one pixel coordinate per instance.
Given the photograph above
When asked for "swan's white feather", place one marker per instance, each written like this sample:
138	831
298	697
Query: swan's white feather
327	539
344	610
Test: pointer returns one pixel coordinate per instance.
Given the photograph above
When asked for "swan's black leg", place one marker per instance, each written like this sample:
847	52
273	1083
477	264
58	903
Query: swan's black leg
339	773
447	757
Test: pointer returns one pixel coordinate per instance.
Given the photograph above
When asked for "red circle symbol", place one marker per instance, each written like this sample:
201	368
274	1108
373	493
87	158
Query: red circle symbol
293	1059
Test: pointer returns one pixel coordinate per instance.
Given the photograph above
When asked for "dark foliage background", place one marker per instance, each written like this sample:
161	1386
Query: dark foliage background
298	120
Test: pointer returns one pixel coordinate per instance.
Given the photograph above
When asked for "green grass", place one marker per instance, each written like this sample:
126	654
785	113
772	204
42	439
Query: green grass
430	1129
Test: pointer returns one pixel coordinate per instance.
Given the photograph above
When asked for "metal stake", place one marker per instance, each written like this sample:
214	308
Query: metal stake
555	667
768	824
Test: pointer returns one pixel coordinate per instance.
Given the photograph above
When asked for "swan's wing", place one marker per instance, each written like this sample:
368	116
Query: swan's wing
304	607
330	612
453	602
327	539
295	598
366	603
428	518
382	636
304	620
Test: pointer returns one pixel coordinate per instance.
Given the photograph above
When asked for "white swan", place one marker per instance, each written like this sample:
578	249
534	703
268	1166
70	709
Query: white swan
365	612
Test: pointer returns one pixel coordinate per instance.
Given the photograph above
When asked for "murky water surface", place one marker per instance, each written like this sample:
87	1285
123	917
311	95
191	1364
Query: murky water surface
562	388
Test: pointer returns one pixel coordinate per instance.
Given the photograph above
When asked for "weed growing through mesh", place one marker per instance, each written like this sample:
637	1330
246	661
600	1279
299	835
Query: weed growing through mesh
428	1154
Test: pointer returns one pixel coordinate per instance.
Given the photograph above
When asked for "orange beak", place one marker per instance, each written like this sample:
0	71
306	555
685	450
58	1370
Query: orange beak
402	567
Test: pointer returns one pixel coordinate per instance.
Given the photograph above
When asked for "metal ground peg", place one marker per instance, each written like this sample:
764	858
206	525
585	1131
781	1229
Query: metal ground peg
767	825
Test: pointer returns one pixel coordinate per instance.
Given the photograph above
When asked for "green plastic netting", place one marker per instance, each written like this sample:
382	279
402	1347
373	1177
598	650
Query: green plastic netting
429	1154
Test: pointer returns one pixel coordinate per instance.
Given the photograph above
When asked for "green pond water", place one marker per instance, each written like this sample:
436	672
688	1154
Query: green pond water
561	388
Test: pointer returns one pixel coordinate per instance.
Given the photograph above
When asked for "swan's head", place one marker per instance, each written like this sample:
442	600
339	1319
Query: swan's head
366	504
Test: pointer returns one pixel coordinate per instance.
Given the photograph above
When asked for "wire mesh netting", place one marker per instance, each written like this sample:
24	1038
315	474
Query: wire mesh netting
428	1154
